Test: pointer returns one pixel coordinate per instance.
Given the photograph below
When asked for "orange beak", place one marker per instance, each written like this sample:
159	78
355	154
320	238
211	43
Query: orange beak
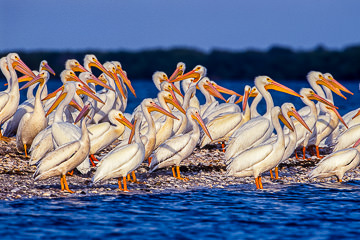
197	118
281	88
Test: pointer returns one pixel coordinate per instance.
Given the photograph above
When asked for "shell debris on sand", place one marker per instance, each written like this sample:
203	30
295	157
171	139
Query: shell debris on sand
205	168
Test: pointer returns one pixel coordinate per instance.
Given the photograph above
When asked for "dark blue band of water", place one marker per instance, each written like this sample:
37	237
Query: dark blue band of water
323	211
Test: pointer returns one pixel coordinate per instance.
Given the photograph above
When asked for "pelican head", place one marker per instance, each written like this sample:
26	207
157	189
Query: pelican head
170	98
90	60
170	87
158	77
289	110
149	105
195	114
196	74
123	76
311	95
119	116
316	78
42	78
88	77
18	64
179	71
336	84
206	83
45	66
111	69
73	64
269	83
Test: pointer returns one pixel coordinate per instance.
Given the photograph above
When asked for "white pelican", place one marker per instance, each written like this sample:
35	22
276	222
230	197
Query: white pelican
10	98
10	126
303	135
259	129
123	76
325	124
331	139
105	133
256	160
179	147
121	161
149	138
290	139
223	124
337	163
32	122
64	159
179	71
209	91
166	129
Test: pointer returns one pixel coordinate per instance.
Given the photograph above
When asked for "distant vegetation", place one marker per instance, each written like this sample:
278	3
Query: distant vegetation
277	62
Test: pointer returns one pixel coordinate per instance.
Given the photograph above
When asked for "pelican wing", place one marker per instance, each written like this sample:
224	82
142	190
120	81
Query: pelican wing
99	129
250	157
220	126
58	156
348	138
250	134
114	161
334	161
170	148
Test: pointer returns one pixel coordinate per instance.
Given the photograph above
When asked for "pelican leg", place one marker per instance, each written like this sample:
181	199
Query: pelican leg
149	160
119	183
271	174
62	183
223	146
179	176
125	186
25	149
93	159
276	172
257	183
5	139
339	179
66	185
173	171
304	150
71	173
318	153
296	155
134	180
260	183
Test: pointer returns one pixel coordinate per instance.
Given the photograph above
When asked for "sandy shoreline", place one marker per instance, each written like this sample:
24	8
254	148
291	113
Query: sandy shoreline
205	168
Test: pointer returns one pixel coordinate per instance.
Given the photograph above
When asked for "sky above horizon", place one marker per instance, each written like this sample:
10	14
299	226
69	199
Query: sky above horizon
200	24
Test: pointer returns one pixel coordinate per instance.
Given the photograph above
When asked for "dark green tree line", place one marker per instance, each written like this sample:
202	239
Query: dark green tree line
277	62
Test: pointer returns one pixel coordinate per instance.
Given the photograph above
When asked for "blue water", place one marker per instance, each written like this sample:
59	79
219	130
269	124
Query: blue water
311	211
284	212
